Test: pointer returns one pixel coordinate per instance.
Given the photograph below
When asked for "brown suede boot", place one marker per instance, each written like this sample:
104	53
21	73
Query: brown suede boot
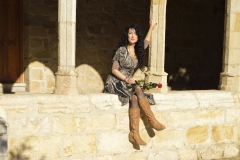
134	137
144	104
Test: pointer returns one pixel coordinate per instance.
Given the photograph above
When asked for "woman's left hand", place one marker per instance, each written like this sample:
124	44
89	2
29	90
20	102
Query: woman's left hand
152	24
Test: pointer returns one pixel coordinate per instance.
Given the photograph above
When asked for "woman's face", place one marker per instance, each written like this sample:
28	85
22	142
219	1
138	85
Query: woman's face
132	36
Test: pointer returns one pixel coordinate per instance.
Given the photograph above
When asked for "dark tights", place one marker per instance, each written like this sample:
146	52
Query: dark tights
138	95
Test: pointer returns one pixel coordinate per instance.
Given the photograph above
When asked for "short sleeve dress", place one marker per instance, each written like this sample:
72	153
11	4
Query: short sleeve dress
114	85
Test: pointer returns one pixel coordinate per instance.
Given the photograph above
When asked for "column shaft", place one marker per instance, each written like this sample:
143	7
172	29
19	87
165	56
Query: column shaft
230	77
66	77
156	71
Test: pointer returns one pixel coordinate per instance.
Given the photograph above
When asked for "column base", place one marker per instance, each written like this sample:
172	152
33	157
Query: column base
229	82
66	84
157	77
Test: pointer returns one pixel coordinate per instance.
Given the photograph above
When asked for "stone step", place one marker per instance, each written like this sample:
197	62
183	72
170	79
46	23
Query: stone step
12	87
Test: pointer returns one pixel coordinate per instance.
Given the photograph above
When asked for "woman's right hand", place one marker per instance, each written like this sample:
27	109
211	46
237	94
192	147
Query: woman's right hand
130	80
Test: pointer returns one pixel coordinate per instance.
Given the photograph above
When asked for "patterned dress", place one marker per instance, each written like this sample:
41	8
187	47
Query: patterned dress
114	85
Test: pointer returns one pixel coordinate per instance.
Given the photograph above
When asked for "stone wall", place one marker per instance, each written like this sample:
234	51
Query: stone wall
194	40
199	125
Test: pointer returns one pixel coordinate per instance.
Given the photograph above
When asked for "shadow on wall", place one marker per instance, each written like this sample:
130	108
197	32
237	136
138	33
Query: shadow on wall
22	152
39	78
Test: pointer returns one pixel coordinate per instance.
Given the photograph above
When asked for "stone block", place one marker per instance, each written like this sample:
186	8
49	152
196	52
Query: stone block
175	100
36	74
122	122
181	119
34	87
215	99
197	135
187	154
211	152
19	102
113	142
104	101
31	125
81	124
233	116
210	117
64	125
136	156
230	151
164	155
100	122
223	133
234	39
169	138
64	104
79	144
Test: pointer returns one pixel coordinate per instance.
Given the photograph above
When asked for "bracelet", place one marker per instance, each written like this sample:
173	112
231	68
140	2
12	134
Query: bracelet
125	79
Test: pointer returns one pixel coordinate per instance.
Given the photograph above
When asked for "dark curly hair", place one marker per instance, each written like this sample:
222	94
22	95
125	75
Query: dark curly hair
139	46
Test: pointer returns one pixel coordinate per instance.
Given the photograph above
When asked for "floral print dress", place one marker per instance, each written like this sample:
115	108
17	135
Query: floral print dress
114	85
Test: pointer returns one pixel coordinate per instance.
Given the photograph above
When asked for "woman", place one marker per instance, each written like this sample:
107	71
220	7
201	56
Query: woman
129	55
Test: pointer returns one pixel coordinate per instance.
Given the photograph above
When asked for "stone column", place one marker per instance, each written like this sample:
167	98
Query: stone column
230	77
66	77
156	71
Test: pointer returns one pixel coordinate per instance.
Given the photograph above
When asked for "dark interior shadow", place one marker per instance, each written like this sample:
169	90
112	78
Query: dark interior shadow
7	88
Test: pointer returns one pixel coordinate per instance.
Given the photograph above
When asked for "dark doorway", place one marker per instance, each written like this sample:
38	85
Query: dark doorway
194	43
10	41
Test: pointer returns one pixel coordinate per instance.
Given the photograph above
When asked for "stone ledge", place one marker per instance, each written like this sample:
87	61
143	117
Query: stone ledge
103	101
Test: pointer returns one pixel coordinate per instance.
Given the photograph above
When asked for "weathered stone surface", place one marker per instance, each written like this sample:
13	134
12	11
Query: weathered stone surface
215	99
209	117
122	122
34	87
230	151
32	126
233	116
17	106
164	154
104	102
180	119
113	142
188	154
36	74
64	104
64	124
197	135
223	133
100	122
79	144
169	138
175	100
211	152
32	147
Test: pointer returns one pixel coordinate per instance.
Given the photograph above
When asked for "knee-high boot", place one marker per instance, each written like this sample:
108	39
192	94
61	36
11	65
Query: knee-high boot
144	104
134	137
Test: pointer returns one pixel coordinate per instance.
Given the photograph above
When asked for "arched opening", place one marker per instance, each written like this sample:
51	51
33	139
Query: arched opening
194	43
